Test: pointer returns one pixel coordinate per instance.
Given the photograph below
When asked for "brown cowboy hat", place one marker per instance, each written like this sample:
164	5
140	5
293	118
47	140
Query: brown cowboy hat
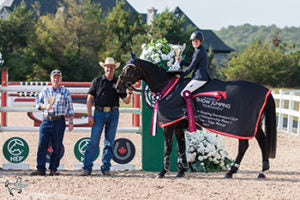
109	61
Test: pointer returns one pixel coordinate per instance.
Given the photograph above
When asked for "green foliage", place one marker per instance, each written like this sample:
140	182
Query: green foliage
214	69
15	33
69	40
264	64
166	25
124	32
239	37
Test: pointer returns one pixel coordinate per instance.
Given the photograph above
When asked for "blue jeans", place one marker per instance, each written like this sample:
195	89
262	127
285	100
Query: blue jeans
110	121
54	131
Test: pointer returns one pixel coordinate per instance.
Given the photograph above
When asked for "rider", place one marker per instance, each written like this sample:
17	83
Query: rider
199	64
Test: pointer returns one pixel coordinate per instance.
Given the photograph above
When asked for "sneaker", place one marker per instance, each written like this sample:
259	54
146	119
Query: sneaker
38	173
85	173
54	173
107	173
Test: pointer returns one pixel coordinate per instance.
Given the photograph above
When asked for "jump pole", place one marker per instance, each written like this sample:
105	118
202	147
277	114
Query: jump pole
4	78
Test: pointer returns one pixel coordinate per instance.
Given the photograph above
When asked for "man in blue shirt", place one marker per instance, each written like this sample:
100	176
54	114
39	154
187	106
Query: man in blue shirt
55	101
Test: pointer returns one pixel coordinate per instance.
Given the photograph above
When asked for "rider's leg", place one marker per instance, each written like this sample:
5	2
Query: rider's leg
187	94
193	85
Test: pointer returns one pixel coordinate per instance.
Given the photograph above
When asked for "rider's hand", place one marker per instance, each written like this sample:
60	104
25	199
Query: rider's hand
178	58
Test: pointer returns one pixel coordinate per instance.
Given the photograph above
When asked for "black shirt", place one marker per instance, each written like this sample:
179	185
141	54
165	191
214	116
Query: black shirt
199	64
104	92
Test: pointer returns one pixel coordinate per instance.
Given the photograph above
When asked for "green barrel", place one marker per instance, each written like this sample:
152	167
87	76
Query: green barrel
153	146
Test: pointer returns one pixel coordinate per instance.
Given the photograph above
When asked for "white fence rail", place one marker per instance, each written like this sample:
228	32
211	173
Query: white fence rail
31	108
286	105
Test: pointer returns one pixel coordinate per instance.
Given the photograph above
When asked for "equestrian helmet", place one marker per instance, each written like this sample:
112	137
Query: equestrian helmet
197	35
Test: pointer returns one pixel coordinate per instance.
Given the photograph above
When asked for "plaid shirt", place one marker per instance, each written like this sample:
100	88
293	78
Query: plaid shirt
62	100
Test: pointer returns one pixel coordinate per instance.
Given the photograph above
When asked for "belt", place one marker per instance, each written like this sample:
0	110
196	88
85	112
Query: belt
53	118
105	108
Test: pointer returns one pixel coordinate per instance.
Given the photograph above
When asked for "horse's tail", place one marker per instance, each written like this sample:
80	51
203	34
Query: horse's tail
270	126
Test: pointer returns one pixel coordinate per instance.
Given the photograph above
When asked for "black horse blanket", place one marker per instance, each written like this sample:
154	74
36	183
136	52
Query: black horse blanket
229	108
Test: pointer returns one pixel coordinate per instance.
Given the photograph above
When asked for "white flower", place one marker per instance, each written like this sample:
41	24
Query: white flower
158	45
207	148
159	52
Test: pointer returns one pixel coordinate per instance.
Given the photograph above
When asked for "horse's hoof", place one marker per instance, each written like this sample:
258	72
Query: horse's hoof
160	176
228	176
261	176
179	175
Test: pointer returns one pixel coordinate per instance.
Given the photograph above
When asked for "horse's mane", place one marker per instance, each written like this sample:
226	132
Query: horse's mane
155	76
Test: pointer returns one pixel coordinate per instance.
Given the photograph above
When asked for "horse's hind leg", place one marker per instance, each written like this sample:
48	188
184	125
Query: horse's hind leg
261	139
168	140
243	146
182	164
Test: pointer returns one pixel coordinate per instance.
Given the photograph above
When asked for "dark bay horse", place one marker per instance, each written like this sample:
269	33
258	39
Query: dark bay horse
157	78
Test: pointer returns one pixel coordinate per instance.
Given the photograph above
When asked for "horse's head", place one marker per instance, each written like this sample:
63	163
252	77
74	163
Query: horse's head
129	75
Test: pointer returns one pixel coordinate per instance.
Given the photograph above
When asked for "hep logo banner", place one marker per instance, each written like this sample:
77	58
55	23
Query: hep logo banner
15	150
80	148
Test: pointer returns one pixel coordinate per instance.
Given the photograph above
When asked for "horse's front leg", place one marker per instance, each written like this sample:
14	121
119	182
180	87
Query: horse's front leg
243	146
261	139
182	164
168	140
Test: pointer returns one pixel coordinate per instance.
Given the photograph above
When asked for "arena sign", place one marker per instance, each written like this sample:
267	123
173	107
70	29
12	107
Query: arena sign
80	148
15	150
124	151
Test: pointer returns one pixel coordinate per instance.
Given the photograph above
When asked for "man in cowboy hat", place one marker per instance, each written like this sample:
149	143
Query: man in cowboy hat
102	91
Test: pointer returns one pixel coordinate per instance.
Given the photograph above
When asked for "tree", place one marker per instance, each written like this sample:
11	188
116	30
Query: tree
265	65
166	25
124	32
70	40
15	33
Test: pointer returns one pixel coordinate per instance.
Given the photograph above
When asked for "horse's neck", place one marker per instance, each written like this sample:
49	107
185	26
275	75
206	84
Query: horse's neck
155	77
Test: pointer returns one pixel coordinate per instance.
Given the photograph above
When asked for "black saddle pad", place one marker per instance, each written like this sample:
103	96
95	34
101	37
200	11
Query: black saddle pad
228	108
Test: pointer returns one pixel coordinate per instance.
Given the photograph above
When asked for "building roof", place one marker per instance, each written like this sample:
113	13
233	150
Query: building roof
211	40
50	6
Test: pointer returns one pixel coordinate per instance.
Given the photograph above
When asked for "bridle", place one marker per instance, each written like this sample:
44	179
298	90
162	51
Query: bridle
128	84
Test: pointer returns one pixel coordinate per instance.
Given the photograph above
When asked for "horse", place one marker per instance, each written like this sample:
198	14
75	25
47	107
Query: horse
157	78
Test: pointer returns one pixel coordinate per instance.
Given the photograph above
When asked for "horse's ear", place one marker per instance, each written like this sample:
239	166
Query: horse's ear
132	55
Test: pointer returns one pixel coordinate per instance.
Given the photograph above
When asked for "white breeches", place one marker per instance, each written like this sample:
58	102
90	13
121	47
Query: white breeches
193	85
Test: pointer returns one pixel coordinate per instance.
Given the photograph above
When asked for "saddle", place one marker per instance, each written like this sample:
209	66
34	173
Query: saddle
230	108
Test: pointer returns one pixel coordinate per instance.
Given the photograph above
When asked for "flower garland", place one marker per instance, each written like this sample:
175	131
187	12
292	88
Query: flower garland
206	153
1	60
158	52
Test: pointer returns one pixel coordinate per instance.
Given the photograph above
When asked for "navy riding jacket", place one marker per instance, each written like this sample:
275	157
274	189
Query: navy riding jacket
199	64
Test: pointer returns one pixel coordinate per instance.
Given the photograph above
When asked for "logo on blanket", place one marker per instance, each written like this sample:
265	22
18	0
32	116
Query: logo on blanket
217	94
148	97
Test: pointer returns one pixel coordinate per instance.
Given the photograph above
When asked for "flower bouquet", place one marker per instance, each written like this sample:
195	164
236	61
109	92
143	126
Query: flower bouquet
159	52
205	152
1	60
